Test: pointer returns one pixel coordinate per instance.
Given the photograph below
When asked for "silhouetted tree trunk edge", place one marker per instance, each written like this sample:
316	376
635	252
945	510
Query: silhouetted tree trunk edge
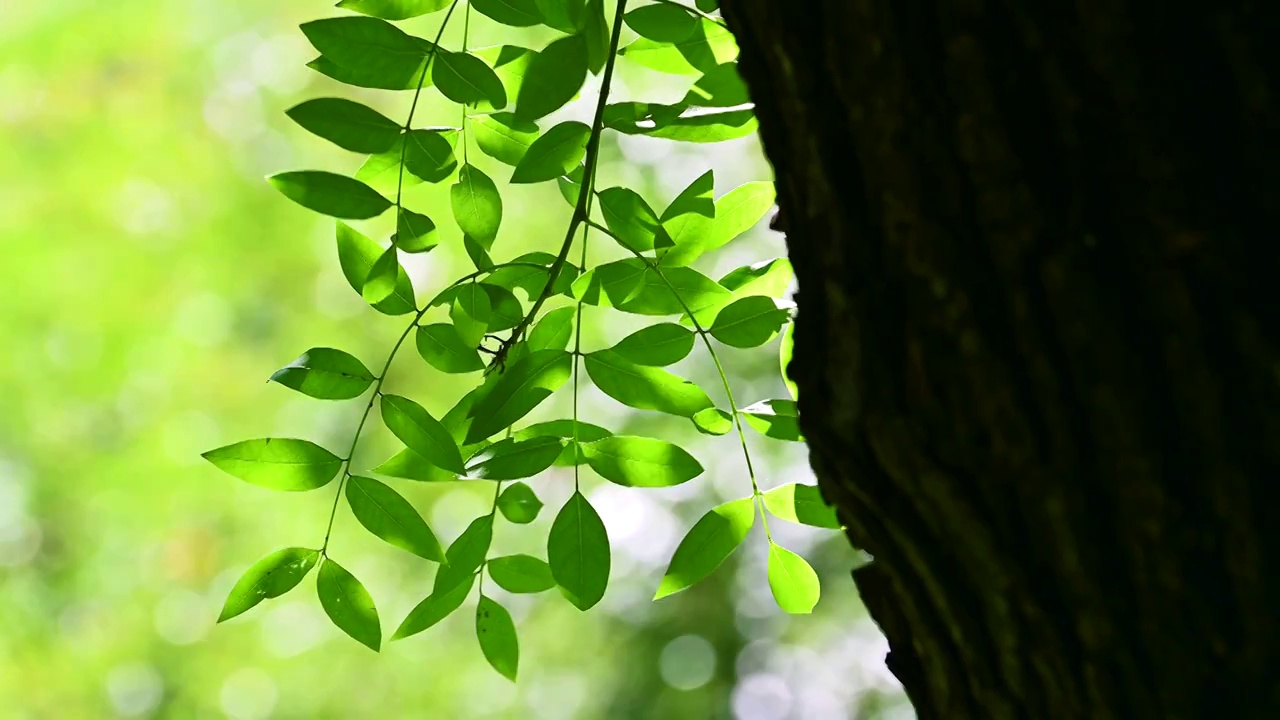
1038	334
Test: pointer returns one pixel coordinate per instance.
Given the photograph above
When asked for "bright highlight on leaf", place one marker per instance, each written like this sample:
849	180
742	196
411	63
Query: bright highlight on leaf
270	577
277	463
707	544
558	151
640	461
794	584
326	374
519	504
801	504
420	431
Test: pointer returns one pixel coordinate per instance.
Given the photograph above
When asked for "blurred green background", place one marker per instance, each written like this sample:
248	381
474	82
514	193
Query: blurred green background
150	282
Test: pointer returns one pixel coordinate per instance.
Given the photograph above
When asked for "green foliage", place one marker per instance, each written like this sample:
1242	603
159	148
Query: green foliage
519	320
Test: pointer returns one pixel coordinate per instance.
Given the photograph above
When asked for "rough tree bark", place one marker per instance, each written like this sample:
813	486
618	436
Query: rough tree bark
1037	345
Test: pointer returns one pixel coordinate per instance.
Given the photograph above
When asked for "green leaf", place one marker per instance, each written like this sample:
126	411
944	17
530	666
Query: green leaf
372	52
330	194
696	199
467	80
326	374
784	359
348	604
794	584
368	77
720	86
644	388
505	311
635	461
554	77
656	345
421	433
409	465
465	555
697	125
553	331
277	463
521	388
477	252
700	293
735	213
430	155
595	31
415	233
347	124
514	13
477	206
497	635
521	574
510	63
586	432
270	577
713	421
357	255
503	136
707	5
395	9
519	504
629	217
578	552
777	419
664	23
514	459
434	608
470	313
749	322
443	349
707	45
566	16
386	514
558	151
707	544
801	504
571	186
383	277
610	284
768	277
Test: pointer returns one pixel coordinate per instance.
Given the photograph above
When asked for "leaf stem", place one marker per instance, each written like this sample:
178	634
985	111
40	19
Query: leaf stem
580	210
413	107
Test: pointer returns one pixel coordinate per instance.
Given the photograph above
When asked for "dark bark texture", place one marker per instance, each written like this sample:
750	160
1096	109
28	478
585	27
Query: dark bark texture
1038	344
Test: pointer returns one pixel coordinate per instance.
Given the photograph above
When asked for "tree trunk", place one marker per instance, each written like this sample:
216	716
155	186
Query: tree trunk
1037	345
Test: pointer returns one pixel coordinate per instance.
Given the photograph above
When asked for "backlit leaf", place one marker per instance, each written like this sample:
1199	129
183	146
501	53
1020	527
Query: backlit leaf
629	217
553	331
521	574
657	345
519	504
415	232
277	463
327	374
801	504
777	419
467	80
578	552
395	9
521	388
503	136
558	151
564	15
386	514
706	46
713	421
794	584
634	461
348	604
383	277
421	432
514	459
736	212
497	635
749	322
784	359
470	313
370	51
430	154
434	608
707	544
442	348
357	254
465	555
514	13
553	78
270	577
644	388
586	432
477	206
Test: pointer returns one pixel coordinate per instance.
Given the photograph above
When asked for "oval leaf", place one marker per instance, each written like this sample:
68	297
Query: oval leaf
801	504
519	504
777	419
515	459
467	80
553	331
429	155
707	544
347	124
443	349
465	555
368	52
395	9
434	608
386	514
749	322
326	374
578	552
477	206
794	584
630	219
497	635
640	461
415	232
713	421
270	577
644	388
503	136
553	77
277	463
348	604
521	388
470	313
557	152
513	13
521	574
330	194
656	345
357	255
421	432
